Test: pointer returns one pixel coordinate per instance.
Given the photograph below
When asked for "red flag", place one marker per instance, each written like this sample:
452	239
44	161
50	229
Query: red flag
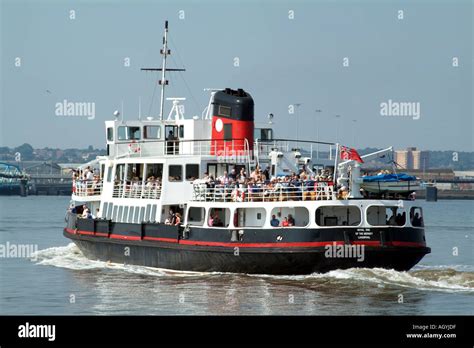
350	154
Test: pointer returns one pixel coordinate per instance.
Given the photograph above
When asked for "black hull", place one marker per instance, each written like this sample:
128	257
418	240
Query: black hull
257	251
262	261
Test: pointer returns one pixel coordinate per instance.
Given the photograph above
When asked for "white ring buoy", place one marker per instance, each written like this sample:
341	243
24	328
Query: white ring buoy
132	148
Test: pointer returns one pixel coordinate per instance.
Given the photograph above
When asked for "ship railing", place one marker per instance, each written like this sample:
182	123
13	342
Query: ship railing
316	150
204	192
236	149
136	189
86	188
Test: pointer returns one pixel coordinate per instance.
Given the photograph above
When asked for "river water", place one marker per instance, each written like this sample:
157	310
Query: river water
59	280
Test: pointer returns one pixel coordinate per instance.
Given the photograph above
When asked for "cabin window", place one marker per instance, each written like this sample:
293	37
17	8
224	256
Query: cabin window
289	217
416	217
386	216
109	174
219	217
175	173
263	134
192	172
128	133
338	216
120	172
196	216
224	111
154	170
152	132
134	171
110	134
249	217
228	131
181	131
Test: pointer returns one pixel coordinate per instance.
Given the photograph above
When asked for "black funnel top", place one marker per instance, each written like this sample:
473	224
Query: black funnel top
234	104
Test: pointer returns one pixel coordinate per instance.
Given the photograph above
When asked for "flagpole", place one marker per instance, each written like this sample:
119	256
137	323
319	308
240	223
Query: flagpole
335	164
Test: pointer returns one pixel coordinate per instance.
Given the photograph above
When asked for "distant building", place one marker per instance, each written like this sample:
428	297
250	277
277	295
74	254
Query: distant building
412	159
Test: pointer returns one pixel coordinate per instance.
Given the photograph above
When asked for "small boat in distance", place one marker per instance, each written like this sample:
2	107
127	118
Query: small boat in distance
221	193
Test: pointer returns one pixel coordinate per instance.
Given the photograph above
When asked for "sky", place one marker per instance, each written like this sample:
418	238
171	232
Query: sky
344	58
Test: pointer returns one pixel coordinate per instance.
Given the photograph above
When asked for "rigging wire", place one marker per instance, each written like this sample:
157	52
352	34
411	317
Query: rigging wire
152	97
198	107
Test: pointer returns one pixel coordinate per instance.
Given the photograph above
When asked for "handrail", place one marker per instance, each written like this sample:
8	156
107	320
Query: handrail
322	190
86	188
136	189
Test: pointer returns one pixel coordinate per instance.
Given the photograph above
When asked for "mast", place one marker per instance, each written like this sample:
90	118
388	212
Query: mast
163	82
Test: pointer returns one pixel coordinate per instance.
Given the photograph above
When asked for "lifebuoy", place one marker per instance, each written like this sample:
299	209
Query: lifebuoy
133	147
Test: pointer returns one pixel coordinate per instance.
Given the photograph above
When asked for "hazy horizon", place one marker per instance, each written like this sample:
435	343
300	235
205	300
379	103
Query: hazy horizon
284	58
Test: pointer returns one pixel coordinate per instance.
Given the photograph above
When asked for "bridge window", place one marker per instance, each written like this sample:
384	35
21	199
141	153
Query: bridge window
192	172
386	216
128	133
338	216
152	132
196	216
175	173
416	217
249	217
290	216
110	134
219	217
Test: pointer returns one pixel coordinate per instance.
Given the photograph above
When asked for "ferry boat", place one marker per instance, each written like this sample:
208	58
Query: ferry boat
220	193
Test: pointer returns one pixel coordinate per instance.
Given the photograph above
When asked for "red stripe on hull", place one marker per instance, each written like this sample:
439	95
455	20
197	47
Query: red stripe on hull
168	240
248	245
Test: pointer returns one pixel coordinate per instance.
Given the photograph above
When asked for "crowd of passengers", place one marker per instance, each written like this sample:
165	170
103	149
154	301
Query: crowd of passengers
86	179
240	186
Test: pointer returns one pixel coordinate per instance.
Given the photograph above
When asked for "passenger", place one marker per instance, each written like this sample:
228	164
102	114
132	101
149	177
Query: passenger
399	220
392	221
72	209
291	221
233	174
96	216
225	179
274	221
86	214
285	222
178	219
170	143
217	221
211	221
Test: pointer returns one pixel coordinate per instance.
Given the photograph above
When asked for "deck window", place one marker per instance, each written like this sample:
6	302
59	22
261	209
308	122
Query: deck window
338	216
175	173
154	170
192	172
110	134
152	132
128	133
196	216
386	216
219	217
416	217
249	217
290	217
